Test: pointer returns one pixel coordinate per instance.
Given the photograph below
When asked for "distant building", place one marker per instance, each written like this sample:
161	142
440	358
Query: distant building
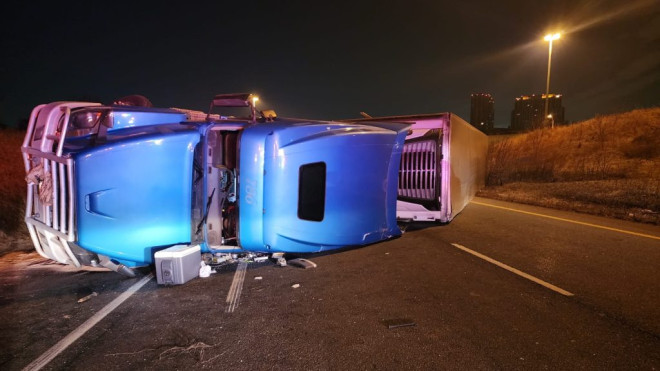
528	112
482	111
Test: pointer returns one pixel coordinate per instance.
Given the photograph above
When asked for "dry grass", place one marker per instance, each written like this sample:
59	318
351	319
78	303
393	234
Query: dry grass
13	232
609	165
611	198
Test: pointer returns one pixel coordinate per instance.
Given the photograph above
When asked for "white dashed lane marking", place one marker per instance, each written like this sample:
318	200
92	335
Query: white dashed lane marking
514	270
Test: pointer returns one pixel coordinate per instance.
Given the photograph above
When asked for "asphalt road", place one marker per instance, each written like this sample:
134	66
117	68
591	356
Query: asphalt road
595	304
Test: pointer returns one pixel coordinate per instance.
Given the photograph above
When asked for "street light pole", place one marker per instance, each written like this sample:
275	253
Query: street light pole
549	38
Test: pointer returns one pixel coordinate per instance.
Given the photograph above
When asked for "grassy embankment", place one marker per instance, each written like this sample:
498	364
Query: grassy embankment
608	165
13	233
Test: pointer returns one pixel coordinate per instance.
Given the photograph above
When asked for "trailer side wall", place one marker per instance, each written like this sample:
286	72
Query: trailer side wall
468	148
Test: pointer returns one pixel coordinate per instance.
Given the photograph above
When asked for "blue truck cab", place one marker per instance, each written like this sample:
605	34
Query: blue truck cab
110	185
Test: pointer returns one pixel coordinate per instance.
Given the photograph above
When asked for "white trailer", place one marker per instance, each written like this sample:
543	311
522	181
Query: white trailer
443	165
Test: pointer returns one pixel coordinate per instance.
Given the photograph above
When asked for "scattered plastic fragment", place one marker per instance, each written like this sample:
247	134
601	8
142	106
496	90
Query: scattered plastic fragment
259	259
258	278
398	322
279	258
302	263
204	270
221	258
84	299
295	285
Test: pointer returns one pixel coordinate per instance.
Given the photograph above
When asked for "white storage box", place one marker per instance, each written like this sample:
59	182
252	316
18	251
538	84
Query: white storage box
178	264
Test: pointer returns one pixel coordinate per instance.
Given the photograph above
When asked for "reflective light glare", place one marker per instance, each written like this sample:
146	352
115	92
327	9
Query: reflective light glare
550	37
93	116
282	157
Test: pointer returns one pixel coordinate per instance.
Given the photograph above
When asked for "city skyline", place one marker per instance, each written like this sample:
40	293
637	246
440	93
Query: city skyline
334	61
528	112
482	111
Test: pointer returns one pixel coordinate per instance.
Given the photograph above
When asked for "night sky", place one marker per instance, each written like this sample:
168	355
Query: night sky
332	59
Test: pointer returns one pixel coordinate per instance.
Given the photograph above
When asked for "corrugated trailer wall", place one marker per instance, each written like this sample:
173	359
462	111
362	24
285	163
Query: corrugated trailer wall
457	175
468	148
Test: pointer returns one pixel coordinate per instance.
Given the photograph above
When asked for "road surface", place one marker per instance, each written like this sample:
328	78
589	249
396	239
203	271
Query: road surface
503	286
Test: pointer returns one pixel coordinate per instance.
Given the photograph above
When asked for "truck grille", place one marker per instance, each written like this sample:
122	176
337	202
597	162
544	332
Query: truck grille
50	201
49	211
418	172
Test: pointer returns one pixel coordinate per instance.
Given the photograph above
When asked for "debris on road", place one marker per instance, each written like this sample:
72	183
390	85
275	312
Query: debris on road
399	322
302	263
204	270
84	299
219	258
295	285
279	258
258	278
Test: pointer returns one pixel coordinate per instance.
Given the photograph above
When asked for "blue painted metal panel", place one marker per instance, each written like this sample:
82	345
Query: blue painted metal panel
361	164
251	186
135	194
127	118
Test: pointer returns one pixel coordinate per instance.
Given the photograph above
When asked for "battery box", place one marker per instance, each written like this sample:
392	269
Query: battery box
178	264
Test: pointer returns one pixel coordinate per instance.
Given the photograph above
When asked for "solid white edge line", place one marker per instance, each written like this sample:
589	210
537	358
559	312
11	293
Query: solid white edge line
569	220
514	270
56	349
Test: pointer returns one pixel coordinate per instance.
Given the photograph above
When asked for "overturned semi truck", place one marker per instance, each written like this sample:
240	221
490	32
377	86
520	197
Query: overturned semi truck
112	185
443	165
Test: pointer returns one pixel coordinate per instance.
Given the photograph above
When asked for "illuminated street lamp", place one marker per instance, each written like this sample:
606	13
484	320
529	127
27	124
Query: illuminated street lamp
253	107
549	38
